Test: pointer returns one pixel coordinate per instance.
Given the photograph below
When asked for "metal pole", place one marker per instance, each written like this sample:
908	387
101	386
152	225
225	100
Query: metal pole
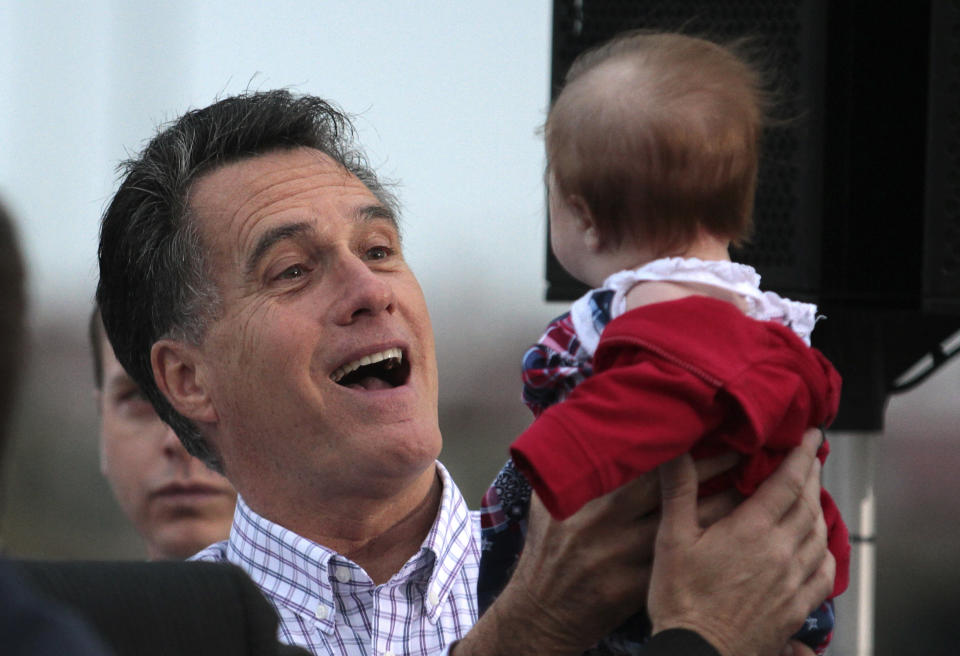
849	477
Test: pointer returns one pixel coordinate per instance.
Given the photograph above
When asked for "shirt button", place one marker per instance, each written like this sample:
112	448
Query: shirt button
433	597
342	574
322	612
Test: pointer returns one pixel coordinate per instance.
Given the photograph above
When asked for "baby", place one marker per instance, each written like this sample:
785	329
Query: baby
653	149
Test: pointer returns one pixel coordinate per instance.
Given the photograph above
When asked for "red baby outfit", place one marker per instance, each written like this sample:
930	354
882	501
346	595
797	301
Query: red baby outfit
694	375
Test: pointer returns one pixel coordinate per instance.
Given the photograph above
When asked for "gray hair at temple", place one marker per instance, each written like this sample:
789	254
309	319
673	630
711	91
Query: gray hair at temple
154	277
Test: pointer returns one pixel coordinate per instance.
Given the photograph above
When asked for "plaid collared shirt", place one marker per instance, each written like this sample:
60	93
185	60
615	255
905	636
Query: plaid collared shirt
329	605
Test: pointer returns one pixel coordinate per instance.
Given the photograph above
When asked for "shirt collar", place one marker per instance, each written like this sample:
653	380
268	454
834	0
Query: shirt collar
448	543
292	570
295	572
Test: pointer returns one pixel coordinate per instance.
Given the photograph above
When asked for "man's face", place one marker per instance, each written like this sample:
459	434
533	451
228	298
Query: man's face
313	285
176	503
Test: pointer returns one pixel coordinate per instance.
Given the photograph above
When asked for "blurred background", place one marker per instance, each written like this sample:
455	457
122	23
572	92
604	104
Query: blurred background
447	97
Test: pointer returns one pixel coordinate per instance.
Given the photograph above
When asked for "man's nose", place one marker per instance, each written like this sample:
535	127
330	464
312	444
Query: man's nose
362	291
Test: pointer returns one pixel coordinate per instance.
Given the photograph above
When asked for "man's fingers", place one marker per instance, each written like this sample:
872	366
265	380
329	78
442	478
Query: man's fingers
717	506
796	648
710	467
786	485
678	492
812	549
807	507
637	498
821	583
811	593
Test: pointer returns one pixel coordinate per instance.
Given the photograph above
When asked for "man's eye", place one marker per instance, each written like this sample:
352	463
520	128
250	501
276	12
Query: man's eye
292	273
379	252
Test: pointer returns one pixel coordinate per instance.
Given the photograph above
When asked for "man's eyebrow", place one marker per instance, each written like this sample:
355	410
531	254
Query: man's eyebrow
377	212
271	237
293	230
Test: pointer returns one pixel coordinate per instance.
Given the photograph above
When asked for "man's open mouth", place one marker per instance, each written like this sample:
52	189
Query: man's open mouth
375	371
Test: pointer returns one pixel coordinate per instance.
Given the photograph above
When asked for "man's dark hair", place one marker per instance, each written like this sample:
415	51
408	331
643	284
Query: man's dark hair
13	302
154	277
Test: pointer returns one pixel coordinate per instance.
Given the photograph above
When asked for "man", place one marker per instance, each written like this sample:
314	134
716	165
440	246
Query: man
175	502
253	284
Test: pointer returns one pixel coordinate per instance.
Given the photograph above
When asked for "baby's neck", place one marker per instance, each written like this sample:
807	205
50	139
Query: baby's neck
707	248
628	257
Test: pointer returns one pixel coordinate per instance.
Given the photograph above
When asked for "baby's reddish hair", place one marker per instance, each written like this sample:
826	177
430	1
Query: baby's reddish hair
659	134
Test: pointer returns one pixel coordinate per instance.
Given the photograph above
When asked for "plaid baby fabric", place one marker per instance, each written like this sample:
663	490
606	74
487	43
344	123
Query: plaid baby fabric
560	361
503	527
329	605
551	369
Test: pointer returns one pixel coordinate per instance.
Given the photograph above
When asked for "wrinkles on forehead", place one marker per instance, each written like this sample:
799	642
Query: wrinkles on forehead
233	199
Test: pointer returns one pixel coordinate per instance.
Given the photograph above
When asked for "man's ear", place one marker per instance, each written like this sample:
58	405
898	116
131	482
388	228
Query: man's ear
178	375
585	223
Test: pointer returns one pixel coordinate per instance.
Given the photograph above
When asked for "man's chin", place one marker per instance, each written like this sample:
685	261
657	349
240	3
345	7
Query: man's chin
409	451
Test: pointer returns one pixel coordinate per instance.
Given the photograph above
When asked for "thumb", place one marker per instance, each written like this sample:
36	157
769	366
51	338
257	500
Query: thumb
678	492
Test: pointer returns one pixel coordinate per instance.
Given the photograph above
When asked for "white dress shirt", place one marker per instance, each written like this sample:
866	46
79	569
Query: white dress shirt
329	605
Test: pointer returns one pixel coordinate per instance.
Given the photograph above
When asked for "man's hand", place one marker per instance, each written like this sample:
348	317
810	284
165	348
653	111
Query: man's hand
747	582
579	579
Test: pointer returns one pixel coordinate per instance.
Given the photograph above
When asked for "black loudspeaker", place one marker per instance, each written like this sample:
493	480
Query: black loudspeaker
858	199
942	209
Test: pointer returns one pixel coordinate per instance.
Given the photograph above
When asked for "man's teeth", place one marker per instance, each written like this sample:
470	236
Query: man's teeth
394	354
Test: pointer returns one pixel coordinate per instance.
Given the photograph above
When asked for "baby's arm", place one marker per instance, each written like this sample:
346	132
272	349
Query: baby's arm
615	425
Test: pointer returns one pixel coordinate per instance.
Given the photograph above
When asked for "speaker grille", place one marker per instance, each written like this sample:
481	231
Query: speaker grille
942	243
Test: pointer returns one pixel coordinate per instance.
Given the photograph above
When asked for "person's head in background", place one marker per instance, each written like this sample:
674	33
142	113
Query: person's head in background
177	504
652	151
12	314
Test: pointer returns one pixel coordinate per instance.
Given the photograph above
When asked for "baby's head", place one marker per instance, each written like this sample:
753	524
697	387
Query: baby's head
652	144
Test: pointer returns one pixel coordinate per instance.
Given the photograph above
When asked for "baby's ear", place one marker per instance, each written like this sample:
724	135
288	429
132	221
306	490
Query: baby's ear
177	369
585	223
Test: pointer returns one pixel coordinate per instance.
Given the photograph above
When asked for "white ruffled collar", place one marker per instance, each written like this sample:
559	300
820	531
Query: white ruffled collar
739	278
